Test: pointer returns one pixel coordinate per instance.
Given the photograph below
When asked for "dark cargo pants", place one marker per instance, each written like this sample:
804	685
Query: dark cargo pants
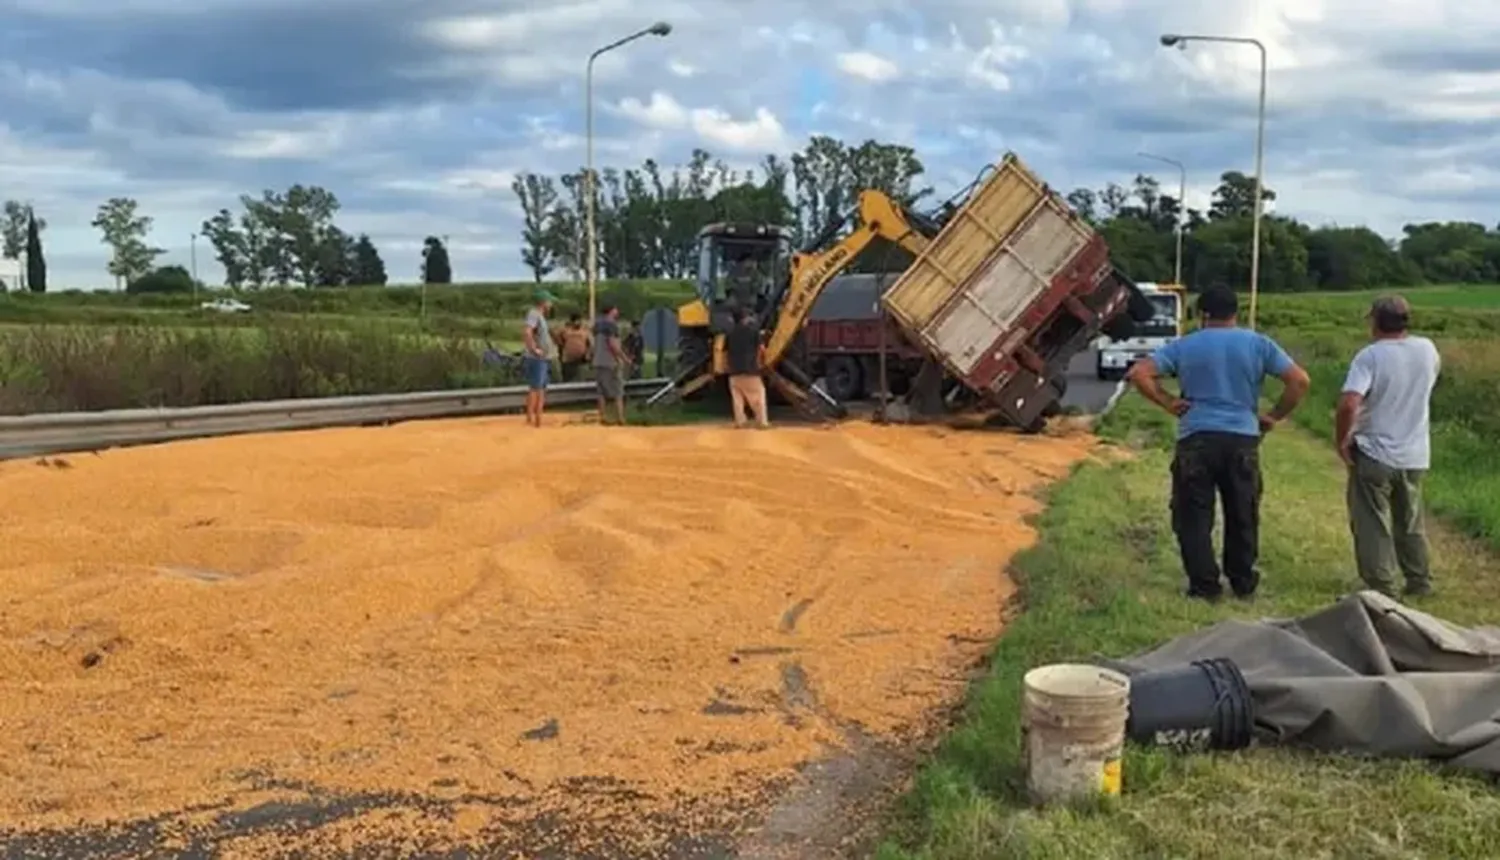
1210	468
1385	516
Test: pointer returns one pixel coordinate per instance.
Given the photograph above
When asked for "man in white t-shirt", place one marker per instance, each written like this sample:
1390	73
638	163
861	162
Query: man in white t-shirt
1383	437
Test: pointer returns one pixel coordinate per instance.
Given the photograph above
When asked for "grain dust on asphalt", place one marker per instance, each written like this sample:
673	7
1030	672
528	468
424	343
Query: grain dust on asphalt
577	641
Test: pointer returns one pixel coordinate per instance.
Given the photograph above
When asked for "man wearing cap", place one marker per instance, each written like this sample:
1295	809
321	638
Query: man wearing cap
1220	368
536	364
1383	436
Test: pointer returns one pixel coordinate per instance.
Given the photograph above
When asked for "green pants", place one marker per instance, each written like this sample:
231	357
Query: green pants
1386	517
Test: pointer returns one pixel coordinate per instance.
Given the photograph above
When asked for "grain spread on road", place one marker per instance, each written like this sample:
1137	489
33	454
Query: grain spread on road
446	629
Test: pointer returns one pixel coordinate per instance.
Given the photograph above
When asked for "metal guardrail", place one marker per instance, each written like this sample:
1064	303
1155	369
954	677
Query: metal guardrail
62	432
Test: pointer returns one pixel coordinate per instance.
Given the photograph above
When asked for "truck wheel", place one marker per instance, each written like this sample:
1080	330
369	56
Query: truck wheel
845	379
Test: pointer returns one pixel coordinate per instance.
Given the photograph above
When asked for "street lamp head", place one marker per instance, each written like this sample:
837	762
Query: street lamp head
660	28
1172	40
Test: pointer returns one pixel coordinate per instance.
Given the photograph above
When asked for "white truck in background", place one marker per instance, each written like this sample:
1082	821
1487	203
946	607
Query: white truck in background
1116	356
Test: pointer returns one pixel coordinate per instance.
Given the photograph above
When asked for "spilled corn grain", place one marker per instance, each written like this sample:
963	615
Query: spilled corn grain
456	628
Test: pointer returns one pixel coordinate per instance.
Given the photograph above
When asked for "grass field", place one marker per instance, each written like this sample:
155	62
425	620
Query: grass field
68	351
1104	580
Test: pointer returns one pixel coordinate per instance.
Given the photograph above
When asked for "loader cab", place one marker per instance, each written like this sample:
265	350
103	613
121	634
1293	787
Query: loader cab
741	265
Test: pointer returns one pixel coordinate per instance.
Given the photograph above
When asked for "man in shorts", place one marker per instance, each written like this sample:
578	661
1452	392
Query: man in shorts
610	364
536	363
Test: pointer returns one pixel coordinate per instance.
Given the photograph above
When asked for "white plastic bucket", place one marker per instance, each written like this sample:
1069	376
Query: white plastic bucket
1073	731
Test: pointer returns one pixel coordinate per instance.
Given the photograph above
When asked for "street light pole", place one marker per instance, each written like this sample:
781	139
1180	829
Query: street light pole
193	260
1181	207
1179	40
660	28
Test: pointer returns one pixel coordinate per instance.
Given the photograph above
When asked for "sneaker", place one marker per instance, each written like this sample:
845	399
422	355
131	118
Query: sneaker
1205	596
1417	589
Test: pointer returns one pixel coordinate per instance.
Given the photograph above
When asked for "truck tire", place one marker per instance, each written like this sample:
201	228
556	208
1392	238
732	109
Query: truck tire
845	378
1058	384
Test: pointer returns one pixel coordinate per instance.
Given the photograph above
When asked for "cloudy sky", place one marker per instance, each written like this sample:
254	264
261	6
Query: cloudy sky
417	114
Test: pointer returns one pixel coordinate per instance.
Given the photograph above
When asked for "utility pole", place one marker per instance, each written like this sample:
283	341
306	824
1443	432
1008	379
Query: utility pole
1181	208
1178	40
660	28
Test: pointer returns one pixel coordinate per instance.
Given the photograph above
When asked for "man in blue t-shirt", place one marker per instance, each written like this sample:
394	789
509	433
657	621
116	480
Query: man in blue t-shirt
1220	369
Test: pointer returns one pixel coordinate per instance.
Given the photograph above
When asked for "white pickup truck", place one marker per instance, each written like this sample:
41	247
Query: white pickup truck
1116	356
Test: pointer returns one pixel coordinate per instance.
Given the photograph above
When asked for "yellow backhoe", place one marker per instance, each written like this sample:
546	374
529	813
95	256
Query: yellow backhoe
752	266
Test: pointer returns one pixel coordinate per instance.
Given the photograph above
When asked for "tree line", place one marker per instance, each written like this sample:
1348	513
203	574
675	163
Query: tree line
279	239
646	218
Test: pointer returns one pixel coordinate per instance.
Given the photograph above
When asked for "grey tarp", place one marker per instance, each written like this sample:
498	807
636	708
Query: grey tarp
1367	675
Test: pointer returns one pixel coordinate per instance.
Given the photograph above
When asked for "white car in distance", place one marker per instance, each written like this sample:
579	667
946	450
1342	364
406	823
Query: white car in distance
226	306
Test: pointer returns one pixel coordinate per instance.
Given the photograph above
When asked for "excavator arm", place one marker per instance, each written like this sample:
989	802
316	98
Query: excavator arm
878	216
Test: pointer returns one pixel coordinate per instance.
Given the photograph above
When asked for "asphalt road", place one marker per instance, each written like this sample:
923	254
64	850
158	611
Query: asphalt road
1085	391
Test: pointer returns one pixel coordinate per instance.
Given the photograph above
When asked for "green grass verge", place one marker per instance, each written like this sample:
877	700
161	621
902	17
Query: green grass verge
1104	580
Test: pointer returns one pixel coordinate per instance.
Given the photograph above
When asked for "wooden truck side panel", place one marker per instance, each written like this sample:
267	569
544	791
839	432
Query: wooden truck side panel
1013	257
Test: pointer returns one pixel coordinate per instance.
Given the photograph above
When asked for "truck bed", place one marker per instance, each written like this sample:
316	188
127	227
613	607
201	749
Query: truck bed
1001	269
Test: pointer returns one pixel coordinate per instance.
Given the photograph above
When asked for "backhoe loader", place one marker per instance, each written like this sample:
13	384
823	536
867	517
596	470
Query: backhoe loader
753	266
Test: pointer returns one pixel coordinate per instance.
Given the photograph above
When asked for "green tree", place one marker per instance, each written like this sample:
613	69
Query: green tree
36	260
230	247
435	266
1235	196
566	238
125	231
1453	251
306	221
15	223
369	268
334	263
1084	203
538	197
1353	258
167	279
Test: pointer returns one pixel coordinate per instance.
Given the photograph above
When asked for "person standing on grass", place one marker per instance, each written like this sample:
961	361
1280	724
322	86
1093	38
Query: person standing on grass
610	364
1383	437
746	354
1220	368
536	363
574	346
635	347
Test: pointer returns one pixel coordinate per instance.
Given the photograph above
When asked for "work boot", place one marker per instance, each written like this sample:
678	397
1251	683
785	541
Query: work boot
1205	596
1417	589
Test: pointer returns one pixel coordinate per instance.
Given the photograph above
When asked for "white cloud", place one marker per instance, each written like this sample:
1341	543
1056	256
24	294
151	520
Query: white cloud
871	67
762	132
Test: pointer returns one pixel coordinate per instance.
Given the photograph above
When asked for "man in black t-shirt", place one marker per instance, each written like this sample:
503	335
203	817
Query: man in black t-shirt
745	355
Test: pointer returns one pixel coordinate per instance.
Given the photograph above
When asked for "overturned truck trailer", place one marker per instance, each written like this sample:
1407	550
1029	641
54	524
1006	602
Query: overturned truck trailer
1010	290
